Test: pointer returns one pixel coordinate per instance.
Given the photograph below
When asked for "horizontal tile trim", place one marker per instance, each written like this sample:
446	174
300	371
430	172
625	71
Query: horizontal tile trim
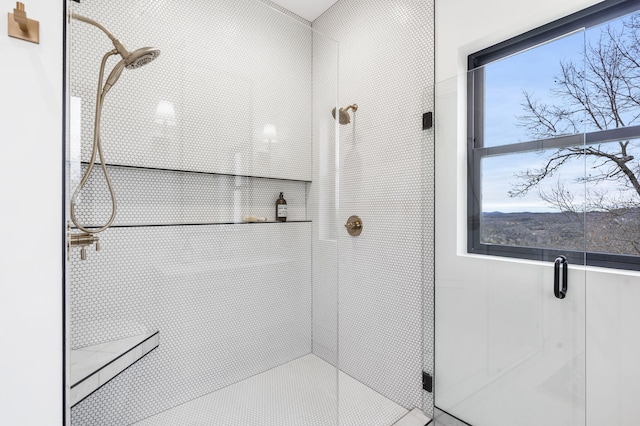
124	166
150	225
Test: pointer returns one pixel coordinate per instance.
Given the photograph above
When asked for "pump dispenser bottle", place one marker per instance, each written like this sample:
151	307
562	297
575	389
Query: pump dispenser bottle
281	209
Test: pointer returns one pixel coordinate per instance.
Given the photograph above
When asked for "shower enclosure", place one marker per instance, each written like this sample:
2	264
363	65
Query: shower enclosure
535	296
508	349
195	310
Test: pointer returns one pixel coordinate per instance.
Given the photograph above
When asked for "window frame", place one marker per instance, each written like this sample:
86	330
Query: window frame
584	19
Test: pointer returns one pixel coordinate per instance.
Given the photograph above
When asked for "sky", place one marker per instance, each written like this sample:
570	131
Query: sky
534	71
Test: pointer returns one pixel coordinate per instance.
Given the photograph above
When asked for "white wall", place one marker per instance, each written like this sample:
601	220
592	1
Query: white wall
467	286
31	194
613	347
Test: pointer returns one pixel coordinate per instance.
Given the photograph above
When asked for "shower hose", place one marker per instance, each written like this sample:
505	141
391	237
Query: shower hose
96	149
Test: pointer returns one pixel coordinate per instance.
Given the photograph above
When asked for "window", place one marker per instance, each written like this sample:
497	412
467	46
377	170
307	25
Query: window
554	141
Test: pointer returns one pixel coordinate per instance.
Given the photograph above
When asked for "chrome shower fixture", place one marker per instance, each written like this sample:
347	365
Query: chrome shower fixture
345	118
130	60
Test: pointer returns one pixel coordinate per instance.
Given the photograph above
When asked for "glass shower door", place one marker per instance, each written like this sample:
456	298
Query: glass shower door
507	350
510	313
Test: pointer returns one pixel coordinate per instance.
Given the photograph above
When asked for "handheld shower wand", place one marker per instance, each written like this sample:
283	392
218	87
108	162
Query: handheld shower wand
130	60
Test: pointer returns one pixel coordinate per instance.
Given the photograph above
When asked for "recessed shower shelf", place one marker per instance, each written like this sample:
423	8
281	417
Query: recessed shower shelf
94	366
147	225
124	166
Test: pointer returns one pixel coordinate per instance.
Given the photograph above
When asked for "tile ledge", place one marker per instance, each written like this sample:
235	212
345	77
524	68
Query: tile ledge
93	366
414	418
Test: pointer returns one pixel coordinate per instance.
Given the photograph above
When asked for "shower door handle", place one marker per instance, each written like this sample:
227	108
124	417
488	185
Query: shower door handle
560	264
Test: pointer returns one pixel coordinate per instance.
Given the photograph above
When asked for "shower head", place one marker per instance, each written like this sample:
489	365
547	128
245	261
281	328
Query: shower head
344	117
141	57
130	60
133	60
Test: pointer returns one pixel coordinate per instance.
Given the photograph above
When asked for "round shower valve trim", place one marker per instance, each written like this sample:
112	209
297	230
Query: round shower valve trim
354	226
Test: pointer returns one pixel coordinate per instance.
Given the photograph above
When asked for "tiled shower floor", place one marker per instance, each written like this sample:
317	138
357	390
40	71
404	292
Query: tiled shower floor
299	393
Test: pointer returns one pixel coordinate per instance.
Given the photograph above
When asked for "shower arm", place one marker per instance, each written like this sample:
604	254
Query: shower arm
97	147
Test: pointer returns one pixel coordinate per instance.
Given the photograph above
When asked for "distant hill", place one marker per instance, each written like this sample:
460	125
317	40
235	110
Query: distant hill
616	232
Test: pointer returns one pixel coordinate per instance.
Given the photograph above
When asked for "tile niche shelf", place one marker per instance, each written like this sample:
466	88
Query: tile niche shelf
93	366
199	192
200	172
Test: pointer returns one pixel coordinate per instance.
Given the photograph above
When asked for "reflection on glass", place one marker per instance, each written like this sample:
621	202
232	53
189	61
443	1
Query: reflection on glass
166	113
269	134
75	140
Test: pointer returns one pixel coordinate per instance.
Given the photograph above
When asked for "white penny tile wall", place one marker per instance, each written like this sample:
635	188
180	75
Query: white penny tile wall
230	92
210	132
230	301
322	199
386	166
236	109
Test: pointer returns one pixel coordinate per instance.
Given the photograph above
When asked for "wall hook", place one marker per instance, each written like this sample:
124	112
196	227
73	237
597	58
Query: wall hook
21	27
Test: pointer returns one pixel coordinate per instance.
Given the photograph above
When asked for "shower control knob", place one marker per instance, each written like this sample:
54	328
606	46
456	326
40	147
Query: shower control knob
97	245
83	253
354	226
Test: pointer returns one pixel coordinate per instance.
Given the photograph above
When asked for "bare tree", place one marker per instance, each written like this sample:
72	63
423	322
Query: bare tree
599	93
563	199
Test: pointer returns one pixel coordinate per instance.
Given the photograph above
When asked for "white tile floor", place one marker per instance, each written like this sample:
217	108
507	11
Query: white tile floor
299	393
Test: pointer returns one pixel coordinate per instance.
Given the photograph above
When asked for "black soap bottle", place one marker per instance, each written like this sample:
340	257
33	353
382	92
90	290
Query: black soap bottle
281	209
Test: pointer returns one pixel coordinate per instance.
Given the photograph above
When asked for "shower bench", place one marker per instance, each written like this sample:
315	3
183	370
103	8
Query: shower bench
93	366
